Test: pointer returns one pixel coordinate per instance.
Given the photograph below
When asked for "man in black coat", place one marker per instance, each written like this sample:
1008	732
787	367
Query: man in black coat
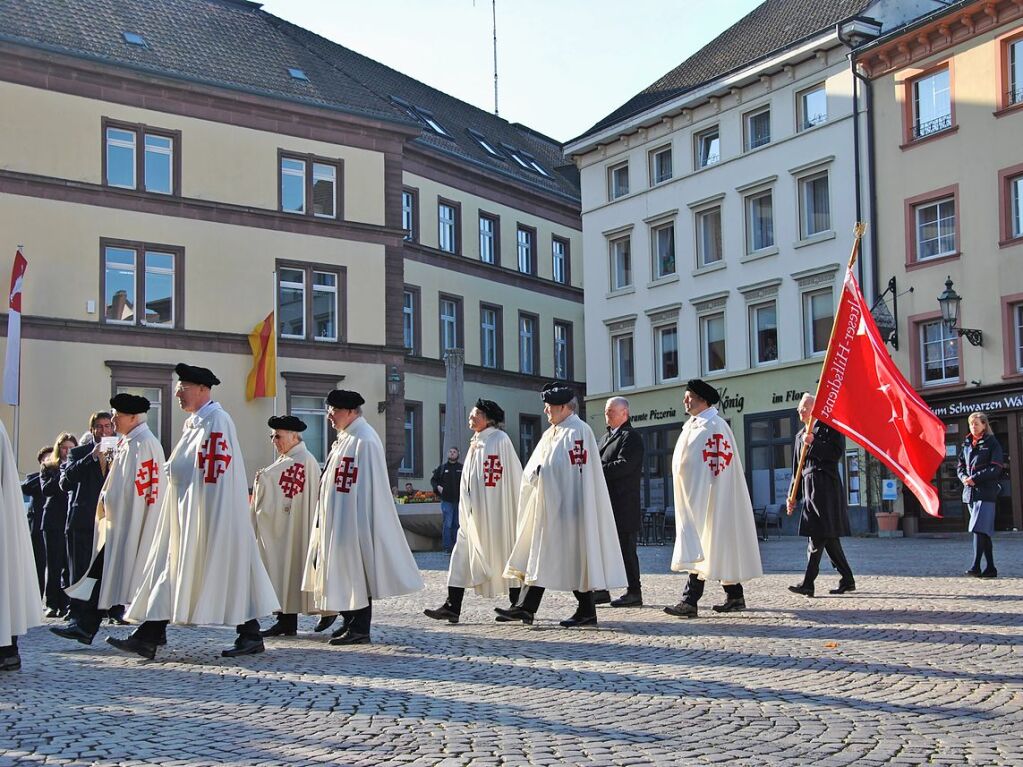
33	490
621	455
447	482
825	517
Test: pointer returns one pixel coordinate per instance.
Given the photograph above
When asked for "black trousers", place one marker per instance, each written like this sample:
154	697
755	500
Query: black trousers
56	569
531	597
457	593
153	631
39	551
694	590
288	621
9	651
359	621
815	550
628	543
79	553
85	612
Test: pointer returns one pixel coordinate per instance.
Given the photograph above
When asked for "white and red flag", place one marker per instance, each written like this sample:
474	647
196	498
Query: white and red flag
12	364
863	395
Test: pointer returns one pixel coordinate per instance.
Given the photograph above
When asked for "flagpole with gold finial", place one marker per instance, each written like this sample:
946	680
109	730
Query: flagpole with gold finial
858	232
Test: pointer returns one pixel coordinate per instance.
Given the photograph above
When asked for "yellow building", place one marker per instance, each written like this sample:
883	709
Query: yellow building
175	167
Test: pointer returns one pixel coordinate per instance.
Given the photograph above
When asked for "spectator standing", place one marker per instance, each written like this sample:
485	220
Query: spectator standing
55	506
446	482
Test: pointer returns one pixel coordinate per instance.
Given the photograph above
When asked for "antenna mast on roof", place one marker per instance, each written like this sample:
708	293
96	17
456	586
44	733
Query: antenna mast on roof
494	8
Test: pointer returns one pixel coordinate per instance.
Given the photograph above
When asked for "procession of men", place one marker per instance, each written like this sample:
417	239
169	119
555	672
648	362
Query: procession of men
181	541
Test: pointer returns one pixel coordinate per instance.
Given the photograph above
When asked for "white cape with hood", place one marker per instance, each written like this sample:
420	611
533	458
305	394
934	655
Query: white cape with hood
204	566
566	538
358	550
126	518
21	607
283	503
715	534
487	510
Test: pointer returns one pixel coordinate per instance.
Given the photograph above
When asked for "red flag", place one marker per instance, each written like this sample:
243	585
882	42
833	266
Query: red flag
12	361
262	380
863	395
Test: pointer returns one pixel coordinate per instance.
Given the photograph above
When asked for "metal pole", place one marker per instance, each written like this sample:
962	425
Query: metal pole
494	9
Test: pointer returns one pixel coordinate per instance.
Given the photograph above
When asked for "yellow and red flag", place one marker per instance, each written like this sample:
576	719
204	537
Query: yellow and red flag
262	380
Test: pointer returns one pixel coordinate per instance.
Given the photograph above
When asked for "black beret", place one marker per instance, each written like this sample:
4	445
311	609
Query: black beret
346	400
286	422
704	391
491	410
557	393
129	404
196	375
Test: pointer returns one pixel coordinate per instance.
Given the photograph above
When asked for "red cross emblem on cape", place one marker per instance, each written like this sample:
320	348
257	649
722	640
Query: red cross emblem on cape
214	457
147	481
492	471
577	455
292	481
346	475
717	453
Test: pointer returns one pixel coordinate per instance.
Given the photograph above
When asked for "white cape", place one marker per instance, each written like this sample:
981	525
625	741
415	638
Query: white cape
358	550
715	534
487	510
283	504
566	538
126	518
204	566
21	608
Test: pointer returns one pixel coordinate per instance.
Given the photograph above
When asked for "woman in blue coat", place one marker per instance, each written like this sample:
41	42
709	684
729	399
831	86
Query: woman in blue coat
981	465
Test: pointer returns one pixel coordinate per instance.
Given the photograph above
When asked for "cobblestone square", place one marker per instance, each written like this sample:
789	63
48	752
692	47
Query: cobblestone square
919	666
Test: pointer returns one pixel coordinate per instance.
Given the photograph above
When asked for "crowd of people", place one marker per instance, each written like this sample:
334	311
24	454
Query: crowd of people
180	540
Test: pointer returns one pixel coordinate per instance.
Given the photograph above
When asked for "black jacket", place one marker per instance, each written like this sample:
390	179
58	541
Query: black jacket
32	488
56	500
81	476
622	459
825	511
447	476
984	464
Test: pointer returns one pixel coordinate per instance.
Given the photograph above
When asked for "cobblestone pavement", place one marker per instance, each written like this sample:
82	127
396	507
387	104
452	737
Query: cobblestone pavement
919	666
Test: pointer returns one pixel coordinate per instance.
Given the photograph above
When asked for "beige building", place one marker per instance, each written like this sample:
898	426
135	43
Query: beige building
175	170
948	170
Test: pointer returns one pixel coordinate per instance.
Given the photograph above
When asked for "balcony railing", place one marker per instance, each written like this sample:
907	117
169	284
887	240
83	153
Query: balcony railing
938	124
1014	95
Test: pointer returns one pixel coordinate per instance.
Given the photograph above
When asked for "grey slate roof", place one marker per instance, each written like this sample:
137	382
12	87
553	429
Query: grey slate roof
235	44
767	29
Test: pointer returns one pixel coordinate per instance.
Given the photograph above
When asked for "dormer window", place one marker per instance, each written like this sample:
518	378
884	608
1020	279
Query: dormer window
482	141
424	116
134	38
298	74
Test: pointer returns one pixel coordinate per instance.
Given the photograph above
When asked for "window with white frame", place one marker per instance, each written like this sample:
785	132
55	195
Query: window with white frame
292	185
312	412
814	205
763	333
712	342
818	315
559	260
1017	316
662	240
812	105
529	428
154	417
621	263
325	292
408	319
307	178
935	228
618	181
527	344
291	302
759	221
134	271
932	103
623	361
308	303
707	147
151	171
660	165
524	244
408	213
324	190
488	336
446	222
562	350
1016	206
708	236
448	324
488	241
757	128
939	353
120	157
1014	52
666	337
408	456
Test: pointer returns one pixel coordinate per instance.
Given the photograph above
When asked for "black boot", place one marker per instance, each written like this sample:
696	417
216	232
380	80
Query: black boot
286	625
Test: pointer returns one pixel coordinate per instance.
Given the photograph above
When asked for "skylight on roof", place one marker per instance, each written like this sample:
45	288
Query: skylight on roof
429	120
298	74
539	168
134	38
482	141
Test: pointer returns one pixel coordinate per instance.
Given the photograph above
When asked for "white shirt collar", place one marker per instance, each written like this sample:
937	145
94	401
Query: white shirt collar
707	414
197	417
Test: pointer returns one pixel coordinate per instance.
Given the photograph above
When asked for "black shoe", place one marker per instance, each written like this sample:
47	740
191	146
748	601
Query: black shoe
602	597
325	622
116	617
64	612
10	663
278	630
53	612
731	606
442	613
682	610
163	638
73	631
350	637
505	614
579	620
843	587
806	591
133	645
991	572
338	632
629	599
244	646
973	572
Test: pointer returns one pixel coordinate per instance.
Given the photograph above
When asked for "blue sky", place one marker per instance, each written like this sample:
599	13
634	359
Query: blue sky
562	64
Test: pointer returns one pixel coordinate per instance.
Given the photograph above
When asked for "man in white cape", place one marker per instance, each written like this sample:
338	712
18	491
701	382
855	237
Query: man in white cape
20	607
126	515
566	538
715	534
283	503
358	550
204	566
487	510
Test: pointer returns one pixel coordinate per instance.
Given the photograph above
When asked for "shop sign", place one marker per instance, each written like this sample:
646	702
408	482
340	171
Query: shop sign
653	415
791	395
730	401
1010	401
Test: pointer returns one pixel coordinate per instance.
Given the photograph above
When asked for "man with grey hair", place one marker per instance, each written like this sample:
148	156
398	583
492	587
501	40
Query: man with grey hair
621	456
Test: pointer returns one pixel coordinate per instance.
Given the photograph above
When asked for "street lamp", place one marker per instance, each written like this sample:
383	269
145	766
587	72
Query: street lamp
393	388
949	302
